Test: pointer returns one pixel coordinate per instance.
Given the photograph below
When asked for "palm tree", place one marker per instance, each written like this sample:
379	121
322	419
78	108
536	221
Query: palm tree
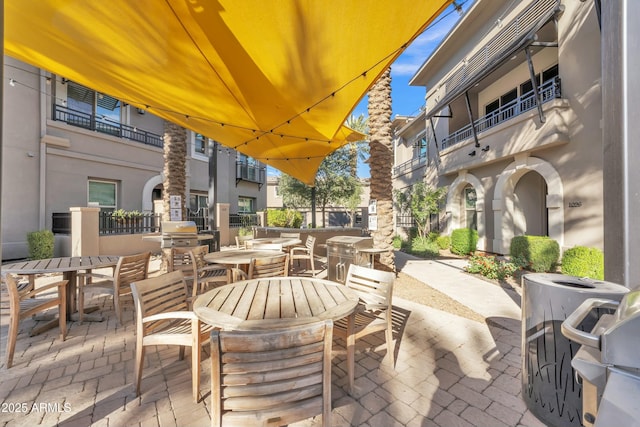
174	173
357	149
380	162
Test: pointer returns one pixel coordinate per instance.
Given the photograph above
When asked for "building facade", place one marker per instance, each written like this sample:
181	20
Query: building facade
512	124
66	145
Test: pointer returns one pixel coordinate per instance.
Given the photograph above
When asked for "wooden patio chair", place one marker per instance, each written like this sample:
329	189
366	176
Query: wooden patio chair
374	311
276	266
269	267
271	377
305	252
163	318
24	304
130	268
206	275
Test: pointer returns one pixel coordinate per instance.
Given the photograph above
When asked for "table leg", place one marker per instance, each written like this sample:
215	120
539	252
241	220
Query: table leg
72	299
351	350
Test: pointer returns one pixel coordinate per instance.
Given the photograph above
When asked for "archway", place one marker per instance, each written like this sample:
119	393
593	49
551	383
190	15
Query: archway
147	193
455	201
508	220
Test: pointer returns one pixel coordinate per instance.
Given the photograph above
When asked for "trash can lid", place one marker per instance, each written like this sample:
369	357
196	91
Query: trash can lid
579	283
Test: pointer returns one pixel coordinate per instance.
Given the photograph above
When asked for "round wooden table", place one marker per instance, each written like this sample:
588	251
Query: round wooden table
371	253
68	266
238	256
265	303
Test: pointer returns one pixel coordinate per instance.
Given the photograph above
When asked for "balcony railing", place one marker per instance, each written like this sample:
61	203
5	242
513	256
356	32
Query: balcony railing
549	90
251	173
410	165
98	124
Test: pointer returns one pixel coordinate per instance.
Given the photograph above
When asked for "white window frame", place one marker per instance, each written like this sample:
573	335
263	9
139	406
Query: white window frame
104	181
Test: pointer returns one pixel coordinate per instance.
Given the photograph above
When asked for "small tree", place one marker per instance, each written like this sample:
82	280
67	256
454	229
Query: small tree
421	201
334	184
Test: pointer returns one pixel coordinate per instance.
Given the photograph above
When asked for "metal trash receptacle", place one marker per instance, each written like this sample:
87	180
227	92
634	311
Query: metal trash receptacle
548	386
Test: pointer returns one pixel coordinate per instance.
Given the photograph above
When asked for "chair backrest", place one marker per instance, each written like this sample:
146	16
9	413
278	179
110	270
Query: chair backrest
197	256
372	286
290	235
267	247
160	294
241	243
131	268
275	377
269	266
310	243
181	259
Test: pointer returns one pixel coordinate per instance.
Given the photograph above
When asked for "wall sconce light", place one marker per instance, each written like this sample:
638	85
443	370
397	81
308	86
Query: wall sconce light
485	149
473	153
140	111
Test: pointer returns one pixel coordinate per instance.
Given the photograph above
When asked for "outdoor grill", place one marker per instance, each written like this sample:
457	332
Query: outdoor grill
608	363
179	234
342	251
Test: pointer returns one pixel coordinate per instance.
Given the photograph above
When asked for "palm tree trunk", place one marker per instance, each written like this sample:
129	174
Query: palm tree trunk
174	173
380	163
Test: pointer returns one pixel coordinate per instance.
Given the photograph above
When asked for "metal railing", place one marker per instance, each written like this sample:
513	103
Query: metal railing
251	173
549	90
108	223
410	165
405	220
99	124
243	220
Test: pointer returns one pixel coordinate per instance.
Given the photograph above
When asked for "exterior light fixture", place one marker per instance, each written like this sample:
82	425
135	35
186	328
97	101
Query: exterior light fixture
485	149
473	153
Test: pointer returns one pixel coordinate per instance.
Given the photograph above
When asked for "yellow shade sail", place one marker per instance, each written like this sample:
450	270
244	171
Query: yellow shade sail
274	80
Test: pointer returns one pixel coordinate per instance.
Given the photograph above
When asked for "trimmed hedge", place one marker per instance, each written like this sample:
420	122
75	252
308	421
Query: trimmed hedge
40	244
464	241
583	261
444	242
540	253
286	218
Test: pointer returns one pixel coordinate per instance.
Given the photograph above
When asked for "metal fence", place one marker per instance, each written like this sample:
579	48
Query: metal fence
144	223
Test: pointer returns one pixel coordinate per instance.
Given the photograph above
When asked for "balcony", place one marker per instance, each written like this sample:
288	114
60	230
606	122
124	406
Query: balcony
98	124
246	171
410	165
549	90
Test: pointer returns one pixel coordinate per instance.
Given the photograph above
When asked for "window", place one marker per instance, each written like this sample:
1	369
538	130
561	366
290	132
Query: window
200	144
105	108
526	86
246	205
421	144
470	208
550	73
198	202
491	107
103	193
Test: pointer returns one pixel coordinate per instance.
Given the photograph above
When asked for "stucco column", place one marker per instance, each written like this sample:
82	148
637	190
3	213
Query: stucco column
84	231
222	222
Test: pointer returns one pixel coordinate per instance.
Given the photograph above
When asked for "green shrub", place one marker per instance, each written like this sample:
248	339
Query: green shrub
433	236
540	252
464	241
492	268
40	244
443	242
582	261
397	241
423	247
287	218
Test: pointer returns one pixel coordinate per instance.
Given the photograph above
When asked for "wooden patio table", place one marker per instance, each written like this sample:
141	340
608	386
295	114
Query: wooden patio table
68	266
286	242
264	303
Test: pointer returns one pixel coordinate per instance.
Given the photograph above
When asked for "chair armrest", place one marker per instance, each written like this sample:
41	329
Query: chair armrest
170	315
302	249
44	288
237	274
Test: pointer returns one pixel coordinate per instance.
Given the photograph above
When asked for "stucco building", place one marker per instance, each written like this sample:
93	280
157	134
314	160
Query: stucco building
66	145
512	124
